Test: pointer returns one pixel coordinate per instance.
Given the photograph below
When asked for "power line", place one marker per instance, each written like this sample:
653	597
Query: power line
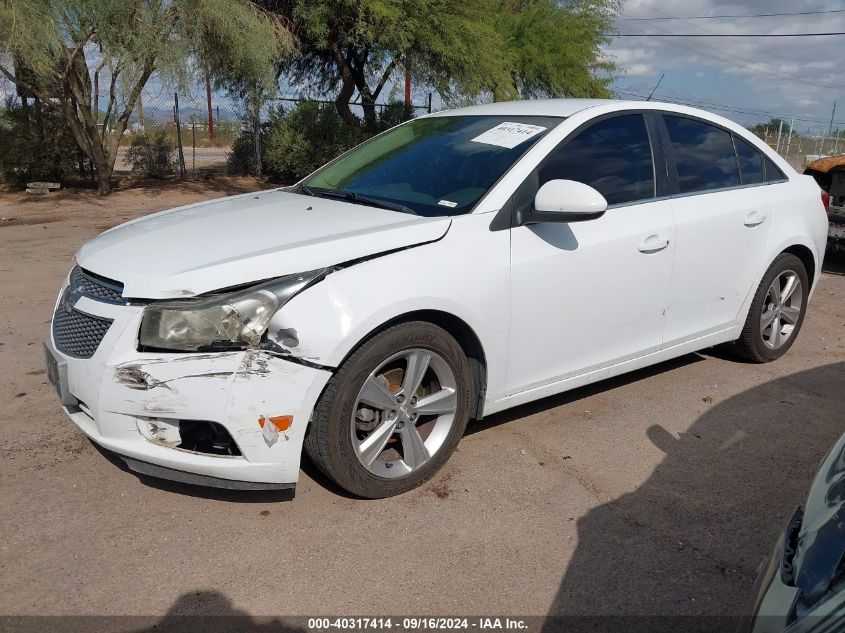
724	34
719	54
729	108
720	17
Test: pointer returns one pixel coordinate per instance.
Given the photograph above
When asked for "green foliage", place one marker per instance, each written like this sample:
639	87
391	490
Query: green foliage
63	51
152	156
241	159
554	48
499	49
297	140
302	139
35	145
772	127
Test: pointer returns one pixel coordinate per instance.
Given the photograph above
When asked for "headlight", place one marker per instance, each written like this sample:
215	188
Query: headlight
223	321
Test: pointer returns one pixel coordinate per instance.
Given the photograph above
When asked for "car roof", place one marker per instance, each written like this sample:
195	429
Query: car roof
567	107
533	107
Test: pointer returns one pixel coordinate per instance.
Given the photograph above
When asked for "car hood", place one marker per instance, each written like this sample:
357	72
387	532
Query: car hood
241	239
820	550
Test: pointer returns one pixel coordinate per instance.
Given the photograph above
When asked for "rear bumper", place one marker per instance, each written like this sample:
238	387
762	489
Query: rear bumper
131	403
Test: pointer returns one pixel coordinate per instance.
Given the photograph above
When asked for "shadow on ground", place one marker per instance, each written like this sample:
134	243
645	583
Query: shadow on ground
834	264
689	540
213	612
192	612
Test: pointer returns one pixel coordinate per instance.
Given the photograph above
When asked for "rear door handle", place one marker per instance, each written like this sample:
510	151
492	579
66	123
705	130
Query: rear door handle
754	218
653	243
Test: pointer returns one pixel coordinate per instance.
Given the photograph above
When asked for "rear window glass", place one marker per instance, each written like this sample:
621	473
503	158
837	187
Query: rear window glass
750	162
704	155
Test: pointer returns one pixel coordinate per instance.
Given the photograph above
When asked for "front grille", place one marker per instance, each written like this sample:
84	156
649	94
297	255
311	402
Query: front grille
96	287
77	333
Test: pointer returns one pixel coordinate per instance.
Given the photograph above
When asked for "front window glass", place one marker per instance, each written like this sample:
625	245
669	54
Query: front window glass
612	156
431	166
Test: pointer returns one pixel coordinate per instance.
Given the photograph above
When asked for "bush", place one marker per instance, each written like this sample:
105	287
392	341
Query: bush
298	140
36	144
241	158
152	156
308	136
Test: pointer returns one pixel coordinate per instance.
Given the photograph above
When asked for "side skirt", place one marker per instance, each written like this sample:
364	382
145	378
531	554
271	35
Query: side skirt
551	389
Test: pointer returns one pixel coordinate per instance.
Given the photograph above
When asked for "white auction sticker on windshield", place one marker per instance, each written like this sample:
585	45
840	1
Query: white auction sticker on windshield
508	134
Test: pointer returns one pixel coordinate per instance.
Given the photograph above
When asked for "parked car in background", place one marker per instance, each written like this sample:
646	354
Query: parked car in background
455	266
829	172
801	585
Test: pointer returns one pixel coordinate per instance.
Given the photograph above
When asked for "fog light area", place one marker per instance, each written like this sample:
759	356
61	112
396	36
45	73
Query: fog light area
200	436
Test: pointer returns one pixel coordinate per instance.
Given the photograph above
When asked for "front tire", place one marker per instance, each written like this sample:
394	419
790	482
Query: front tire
777	311
393	413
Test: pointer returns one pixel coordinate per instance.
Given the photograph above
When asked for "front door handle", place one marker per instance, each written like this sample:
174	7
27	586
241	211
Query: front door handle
653	243
754	218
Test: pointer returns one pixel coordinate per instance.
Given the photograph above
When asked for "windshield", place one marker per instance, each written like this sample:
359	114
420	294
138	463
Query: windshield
431	166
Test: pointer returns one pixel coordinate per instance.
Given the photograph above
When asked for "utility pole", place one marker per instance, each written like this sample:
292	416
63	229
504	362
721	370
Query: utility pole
408	105
208	102
780	130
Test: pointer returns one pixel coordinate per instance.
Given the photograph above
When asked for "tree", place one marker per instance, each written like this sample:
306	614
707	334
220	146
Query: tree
496	48
554	47
772	127
63	49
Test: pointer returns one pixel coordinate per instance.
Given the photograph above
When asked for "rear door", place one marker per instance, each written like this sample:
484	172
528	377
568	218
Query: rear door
723	213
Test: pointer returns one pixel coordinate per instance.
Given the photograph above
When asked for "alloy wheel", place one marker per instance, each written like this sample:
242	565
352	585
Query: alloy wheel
781	309
403	412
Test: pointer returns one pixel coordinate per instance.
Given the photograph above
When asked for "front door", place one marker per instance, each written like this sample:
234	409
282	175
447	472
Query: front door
588	294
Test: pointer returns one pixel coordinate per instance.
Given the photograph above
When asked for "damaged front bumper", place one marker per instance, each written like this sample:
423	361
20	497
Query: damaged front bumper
138	405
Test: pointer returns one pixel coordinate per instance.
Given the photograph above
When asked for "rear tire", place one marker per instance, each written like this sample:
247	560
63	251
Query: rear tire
777	311
393	413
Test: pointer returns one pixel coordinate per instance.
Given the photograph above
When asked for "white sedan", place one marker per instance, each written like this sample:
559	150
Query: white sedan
457	265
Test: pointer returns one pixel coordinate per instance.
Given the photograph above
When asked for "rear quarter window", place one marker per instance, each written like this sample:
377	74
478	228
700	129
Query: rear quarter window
773	172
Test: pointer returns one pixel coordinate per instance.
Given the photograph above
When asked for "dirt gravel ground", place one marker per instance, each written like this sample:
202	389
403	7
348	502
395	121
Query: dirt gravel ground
653	494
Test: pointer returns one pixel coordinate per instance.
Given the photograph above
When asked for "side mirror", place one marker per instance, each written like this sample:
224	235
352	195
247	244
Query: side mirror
566	201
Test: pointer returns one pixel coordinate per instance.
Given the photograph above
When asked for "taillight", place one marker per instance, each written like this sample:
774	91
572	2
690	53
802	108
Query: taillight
826	201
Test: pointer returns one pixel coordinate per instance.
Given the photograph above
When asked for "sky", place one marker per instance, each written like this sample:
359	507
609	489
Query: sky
751	79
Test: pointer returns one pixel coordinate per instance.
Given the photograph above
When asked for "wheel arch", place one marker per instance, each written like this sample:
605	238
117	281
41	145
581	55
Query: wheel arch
793	247
461	331
807	258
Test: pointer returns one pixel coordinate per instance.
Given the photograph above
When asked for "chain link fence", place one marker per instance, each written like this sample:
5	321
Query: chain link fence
801	147
202	127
